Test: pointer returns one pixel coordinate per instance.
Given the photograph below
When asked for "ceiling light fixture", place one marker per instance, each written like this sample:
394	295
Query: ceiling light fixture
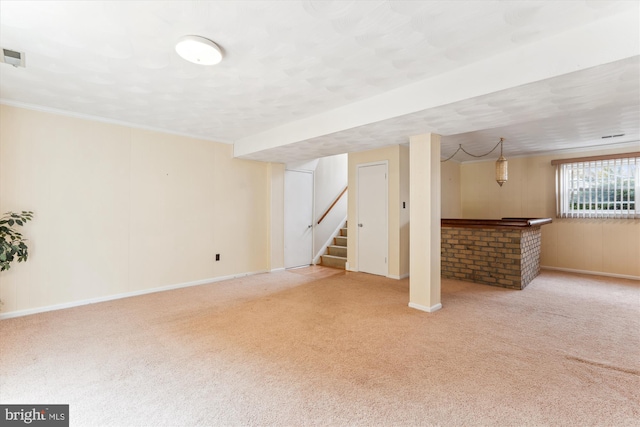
501	163
199	50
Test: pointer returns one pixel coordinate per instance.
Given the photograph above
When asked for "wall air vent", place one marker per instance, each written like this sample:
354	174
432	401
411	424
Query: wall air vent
13	57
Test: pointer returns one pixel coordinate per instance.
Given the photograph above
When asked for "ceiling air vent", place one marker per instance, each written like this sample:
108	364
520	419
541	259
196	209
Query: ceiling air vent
13	57
613	136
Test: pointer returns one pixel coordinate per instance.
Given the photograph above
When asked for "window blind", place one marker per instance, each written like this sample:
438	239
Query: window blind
603	188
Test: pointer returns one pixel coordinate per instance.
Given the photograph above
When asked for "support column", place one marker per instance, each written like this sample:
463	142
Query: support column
276	214
424	212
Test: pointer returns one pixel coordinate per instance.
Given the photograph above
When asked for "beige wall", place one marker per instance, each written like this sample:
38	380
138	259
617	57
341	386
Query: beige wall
610	246
392	155
120	210
404	210
451	197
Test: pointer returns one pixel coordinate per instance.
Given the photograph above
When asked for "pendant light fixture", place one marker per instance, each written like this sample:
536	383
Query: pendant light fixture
501	167
199	50
501	163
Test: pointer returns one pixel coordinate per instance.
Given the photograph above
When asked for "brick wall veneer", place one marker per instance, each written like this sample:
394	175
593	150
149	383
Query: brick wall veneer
509	258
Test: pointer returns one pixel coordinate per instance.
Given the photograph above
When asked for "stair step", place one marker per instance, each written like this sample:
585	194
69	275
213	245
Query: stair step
333	261
337	250
341	240
343	231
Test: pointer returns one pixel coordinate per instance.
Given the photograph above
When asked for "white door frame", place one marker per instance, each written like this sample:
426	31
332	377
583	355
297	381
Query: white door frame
313	201
386	208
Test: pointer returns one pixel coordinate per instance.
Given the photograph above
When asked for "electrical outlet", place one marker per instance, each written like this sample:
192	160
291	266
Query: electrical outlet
217	257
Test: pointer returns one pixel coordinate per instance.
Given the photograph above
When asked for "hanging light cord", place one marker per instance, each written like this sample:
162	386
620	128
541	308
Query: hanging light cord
473	155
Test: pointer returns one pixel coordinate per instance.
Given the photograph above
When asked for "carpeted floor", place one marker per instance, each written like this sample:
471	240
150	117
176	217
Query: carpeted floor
319	346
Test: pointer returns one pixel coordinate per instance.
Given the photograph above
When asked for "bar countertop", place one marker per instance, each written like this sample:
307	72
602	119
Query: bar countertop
495	223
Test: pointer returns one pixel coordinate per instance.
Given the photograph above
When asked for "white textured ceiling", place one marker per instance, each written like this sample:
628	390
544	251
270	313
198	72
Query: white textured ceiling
574	110
287	60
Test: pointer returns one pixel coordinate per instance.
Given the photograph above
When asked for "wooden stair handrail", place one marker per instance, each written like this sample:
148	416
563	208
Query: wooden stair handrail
332	204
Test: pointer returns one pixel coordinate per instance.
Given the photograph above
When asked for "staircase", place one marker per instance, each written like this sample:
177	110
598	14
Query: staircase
336	255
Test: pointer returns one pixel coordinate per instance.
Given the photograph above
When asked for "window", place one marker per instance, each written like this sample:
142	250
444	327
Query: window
598	187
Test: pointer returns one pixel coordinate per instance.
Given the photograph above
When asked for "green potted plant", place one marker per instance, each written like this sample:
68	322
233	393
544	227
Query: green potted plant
12	243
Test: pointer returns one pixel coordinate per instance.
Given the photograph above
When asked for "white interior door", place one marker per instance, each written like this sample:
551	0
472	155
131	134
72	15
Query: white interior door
298	218
372	219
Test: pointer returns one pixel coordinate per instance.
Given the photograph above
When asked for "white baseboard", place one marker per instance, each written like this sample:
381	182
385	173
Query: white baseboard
403	276
592	273
275	270
425	308
27	312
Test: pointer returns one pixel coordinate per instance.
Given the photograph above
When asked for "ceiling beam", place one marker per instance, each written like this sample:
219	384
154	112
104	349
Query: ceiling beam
604	41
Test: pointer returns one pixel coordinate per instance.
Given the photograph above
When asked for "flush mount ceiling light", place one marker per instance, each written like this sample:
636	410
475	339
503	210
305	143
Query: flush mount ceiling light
199	50
501	163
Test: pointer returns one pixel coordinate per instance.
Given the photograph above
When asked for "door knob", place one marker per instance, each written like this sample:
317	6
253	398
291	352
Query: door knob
308	226
359	225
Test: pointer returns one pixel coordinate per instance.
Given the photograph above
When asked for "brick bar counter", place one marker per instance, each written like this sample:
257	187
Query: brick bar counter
500	252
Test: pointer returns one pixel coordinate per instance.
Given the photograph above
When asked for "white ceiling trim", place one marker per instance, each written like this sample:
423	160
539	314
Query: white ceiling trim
601	42
82	116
